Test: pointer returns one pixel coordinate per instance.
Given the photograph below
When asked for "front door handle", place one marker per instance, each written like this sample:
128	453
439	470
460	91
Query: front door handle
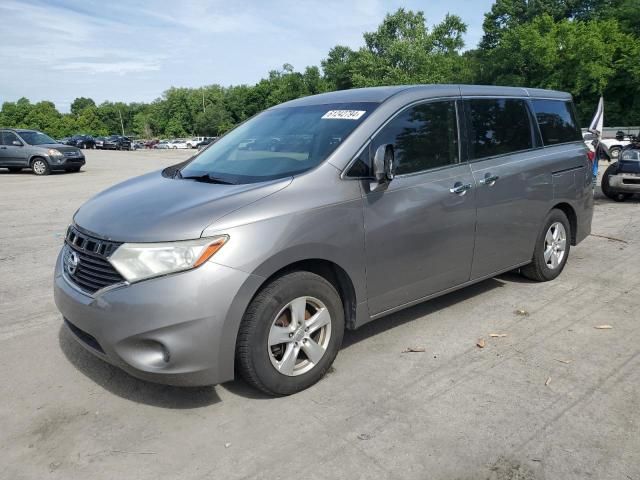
3	148
489	180
460	189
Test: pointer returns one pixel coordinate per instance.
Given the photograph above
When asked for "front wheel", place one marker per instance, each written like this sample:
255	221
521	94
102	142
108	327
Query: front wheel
552	248
40	167
290	334
614	152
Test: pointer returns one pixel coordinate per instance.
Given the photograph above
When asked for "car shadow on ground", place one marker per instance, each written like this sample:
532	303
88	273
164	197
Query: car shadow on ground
124	385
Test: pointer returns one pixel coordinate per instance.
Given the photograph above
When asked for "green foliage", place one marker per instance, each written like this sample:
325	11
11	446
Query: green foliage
586	47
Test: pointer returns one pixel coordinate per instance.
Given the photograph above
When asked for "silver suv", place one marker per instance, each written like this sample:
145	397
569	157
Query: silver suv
320	215
35	150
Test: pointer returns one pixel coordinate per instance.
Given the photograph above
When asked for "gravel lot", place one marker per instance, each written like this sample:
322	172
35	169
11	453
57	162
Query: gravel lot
555	398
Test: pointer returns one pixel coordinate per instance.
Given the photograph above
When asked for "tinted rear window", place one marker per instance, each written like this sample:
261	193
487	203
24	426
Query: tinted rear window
498	126
557	121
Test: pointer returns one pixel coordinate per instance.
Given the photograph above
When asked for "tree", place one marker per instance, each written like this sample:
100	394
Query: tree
80	103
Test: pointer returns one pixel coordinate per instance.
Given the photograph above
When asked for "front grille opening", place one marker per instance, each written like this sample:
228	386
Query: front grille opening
84	337
93	271
631	181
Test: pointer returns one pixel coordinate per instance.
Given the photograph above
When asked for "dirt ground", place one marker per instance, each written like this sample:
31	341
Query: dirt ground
556	398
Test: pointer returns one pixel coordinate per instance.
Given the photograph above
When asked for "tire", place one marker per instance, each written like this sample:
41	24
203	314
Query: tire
83	146
15	169
546	264
606	187
614	152
270	315
40	166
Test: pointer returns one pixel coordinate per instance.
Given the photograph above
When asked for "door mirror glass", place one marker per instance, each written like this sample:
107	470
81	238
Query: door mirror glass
16	143
384	164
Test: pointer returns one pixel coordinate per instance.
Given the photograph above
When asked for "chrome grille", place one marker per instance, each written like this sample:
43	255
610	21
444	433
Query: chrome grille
92	270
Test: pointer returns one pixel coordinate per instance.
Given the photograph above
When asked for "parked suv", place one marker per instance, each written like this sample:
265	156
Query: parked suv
116	142
254	261
35	150
82	141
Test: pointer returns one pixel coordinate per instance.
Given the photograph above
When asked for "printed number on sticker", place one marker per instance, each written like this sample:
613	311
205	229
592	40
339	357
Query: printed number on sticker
343	114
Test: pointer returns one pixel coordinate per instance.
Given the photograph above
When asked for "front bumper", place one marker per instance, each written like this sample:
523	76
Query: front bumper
66	163
178	330
625	182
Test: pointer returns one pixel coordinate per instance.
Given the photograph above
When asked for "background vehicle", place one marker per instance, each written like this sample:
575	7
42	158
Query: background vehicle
20	148
178	143
116	142
251	255
163	145
82	141
151	143
99	142
206	142
193	142
621	180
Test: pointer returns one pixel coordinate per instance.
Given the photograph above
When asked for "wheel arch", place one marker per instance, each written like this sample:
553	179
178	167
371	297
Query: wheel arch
570	212
331	272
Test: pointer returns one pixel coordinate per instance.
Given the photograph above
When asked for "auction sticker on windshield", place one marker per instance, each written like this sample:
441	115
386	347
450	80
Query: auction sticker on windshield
343	114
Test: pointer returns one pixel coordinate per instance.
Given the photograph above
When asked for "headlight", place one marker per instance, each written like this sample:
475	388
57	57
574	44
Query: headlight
138	261
53	153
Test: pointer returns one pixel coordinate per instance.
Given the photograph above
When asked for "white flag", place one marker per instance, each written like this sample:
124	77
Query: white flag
597	124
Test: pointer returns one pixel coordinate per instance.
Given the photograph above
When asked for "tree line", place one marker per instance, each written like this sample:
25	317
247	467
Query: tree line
586	47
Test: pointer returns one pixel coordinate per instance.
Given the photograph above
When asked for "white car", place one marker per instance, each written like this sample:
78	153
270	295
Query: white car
614	145
193	142
178	143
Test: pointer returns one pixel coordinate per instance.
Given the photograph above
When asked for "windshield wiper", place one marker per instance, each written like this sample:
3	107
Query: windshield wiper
207	178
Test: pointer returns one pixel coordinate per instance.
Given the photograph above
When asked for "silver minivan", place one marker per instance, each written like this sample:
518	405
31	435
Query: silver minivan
320	215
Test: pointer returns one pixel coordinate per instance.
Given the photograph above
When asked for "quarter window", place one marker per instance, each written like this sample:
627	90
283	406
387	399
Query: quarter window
498	126
557	121
423	137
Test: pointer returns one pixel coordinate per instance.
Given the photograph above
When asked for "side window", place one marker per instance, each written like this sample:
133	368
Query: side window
7	138
498	126
424	137
557	121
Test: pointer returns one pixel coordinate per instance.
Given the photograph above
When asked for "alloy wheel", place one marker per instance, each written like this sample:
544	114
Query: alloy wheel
555	245
299	336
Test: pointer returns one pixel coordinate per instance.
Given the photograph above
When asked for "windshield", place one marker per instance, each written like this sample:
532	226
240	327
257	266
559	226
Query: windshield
37	138
278	143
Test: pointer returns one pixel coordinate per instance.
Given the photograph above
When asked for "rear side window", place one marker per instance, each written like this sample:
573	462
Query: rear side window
498	126
557	121
423	137
7	138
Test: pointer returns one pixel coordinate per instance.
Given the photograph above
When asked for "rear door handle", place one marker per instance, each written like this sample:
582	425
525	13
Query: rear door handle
489	180
460	189
3	148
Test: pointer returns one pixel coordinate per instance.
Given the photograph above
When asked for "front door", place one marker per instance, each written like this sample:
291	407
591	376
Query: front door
420	227
10	154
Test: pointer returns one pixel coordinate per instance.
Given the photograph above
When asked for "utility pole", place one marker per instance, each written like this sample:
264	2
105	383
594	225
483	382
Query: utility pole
121	122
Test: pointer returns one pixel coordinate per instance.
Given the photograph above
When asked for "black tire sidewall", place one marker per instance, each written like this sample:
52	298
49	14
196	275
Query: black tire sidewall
553	217
266	306
604	185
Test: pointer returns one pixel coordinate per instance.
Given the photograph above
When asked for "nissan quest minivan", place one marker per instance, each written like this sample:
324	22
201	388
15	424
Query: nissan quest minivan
320	215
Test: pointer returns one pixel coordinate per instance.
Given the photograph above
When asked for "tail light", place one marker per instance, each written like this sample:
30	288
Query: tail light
591	156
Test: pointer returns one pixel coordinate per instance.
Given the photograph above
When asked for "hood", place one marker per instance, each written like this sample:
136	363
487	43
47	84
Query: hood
59	146
154	208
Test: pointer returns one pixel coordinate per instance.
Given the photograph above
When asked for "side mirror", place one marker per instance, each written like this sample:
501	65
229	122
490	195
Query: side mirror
16	143
384	168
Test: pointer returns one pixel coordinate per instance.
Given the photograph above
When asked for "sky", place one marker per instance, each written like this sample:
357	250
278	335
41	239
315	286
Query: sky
134	50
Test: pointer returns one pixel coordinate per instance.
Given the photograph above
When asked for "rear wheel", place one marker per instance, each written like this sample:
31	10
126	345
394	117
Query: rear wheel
40	166
614	152
552	248
290	334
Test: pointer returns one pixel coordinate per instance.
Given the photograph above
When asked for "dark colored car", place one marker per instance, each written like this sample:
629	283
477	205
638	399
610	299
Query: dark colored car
99	142
32	149
82	141
116	142
621	180
205	142
151	143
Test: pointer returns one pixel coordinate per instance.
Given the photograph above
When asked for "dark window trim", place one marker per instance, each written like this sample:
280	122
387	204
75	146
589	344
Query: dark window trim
506	97
455	99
